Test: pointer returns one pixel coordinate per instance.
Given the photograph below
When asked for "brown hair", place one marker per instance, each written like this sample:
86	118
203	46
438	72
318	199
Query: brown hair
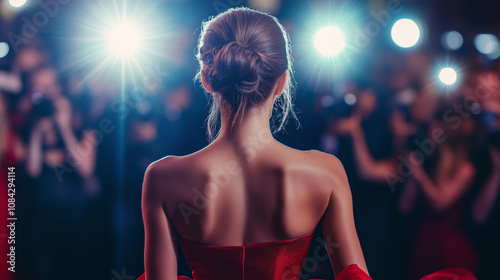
242	53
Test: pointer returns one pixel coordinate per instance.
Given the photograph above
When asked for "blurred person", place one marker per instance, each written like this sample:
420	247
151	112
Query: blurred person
60	162
487	94
409	112
380	226
29	59
12	151
488	197
444	180
485	214
145	141
53	135
406	121
488	87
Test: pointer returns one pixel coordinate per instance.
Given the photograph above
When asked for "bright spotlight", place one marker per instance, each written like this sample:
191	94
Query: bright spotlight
405	33
4	49
17	3
448	76
329	41
452	40
486	43
124	39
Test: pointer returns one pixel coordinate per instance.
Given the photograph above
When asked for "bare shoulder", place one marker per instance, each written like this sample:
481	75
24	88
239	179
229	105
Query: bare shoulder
328	161
160	176
335	170
161	167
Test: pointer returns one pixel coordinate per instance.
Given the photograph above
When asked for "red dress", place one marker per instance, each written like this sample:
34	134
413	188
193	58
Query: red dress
440	243
276	260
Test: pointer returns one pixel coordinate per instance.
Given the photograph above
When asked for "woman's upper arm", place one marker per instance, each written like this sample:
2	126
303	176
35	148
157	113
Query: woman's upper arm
160	250
338	226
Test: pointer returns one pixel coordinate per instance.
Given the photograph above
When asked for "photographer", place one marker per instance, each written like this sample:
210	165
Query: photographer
61	162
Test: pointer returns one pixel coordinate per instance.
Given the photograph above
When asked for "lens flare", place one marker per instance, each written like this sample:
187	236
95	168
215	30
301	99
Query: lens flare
448	76
329	41
124	39
405	33
17	3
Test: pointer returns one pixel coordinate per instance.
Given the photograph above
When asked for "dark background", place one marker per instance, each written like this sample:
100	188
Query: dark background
71	227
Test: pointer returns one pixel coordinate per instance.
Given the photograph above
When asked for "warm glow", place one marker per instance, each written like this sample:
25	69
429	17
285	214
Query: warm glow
329	41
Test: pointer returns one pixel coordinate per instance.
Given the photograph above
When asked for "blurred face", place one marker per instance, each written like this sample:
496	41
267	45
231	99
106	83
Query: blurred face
46	80
29	59
423	108
367	102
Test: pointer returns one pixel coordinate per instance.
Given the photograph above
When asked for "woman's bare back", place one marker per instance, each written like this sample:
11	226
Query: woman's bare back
229	194
246	187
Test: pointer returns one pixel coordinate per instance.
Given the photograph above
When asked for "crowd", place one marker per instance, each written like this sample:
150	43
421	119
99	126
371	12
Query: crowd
79	205
423	161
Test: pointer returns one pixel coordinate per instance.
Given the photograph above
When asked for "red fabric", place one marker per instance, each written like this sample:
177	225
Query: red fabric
143	277
352	272
451	274
269	260
276	260
441	243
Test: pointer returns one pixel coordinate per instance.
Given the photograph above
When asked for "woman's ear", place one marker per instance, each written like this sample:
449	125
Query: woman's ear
280	85
204	82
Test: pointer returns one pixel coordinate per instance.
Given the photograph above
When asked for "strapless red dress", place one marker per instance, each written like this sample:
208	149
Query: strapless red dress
276	260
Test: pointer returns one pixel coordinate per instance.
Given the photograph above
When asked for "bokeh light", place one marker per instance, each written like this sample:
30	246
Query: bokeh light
17	3
494	55
486	43
124	39
268	6
448	76
4	49
329	41
405	33
350	99
452	40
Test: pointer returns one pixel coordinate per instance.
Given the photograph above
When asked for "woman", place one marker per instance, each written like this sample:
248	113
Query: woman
245	187
245	206
445	183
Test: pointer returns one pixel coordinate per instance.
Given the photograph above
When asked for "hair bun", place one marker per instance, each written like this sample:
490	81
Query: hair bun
237	66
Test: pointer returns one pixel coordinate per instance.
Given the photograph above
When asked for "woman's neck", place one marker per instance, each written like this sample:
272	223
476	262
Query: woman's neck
252	128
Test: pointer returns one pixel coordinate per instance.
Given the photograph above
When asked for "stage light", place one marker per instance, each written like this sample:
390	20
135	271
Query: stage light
448	76
405	33
4	49
329	41
487	44
119	40
17	3
452	40
124	39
